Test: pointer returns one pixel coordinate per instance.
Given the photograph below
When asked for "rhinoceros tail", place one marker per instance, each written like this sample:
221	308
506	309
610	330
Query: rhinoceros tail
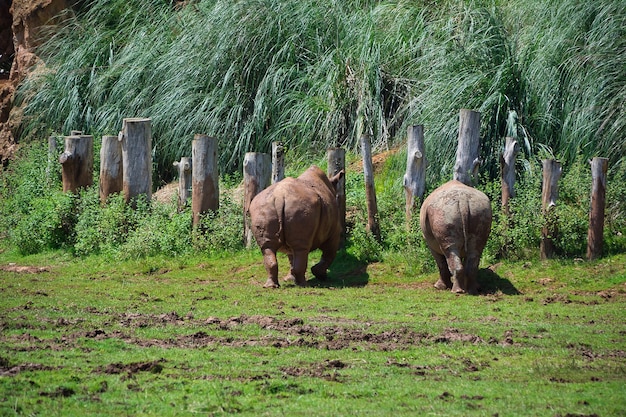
279	204
464	212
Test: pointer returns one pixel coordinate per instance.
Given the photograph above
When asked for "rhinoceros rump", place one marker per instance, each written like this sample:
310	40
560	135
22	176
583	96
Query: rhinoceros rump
296	216
456	222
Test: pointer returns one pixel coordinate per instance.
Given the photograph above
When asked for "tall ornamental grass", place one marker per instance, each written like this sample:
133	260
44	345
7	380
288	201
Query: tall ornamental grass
316	74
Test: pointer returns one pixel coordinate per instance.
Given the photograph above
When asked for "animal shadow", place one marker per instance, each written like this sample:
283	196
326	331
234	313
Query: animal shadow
490	283
345	271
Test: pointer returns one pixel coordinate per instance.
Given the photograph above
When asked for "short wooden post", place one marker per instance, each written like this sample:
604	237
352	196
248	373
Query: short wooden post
184	180
507	172
204	176
256	177
136	138
467	152
599	167
111	168
415	175
336	163
549	194
370	191
278	162
77	163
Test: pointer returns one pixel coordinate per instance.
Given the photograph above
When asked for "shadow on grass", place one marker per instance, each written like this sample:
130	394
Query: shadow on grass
346	271
491	283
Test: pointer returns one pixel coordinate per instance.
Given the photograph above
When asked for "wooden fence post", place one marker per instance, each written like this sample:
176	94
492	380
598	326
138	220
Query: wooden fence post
77	163
599	166
507	172
415	175
204	176
370	191
136	138
549	194
256	177
336	158
111	169
278	162
184	180
467	152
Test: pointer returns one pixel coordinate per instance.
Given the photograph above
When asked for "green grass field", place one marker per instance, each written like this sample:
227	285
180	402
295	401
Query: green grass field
200	336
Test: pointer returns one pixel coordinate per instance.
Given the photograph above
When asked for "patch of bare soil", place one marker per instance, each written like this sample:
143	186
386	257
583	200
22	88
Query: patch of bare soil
24	269
326	370
130	369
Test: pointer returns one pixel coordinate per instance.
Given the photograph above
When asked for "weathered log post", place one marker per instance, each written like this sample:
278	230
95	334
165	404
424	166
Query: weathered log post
111	168
415	175
467	152
184	167
507	172
77	163
136	138
256	177
336	158
278	162
599	167
370	191
550	193
204	176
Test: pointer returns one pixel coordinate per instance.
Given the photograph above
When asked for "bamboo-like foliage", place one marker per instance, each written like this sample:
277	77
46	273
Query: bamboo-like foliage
316	74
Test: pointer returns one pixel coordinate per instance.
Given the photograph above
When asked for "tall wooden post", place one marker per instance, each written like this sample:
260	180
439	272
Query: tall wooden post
467	152
278	162
415	175
77	163
599	166
136	138
549	194
184	180
507	172
204	176
370	191
336	163
256	177
111	168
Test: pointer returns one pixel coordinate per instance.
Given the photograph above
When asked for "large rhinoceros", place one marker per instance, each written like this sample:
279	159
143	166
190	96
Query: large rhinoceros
296	216
456	222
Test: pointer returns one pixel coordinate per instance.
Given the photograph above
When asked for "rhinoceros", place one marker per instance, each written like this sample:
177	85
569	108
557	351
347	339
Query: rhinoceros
296	216
456	221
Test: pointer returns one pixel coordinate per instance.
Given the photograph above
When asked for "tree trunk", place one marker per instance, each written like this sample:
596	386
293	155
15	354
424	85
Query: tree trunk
77	163
370	191
599	166
278	162
549	194
256	177
336	163
184	180
415	175
467	153
136	138
111	171
204	176
507	172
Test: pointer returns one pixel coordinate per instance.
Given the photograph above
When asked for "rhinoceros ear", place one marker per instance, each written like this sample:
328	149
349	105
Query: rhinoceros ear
335	178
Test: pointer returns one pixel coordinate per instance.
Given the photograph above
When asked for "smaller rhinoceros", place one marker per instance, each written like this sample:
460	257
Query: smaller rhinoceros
456	222
296	216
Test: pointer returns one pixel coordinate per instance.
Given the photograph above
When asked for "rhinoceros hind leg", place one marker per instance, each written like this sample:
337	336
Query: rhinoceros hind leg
271	266
298	266
471	273
455	265
444	281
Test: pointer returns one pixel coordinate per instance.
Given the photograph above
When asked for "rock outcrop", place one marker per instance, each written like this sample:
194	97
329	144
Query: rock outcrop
22	22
